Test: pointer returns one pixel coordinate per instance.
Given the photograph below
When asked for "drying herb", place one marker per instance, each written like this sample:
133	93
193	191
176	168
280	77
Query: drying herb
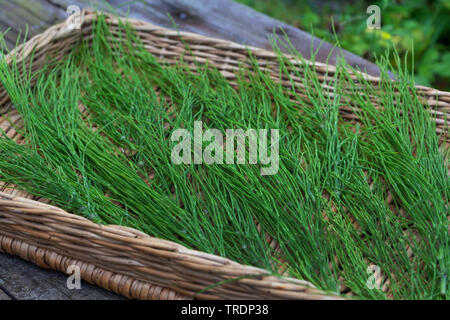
348	198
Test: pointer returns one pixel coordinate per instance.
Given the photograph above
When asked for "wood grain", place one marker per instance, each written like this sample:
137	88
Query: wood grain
4	295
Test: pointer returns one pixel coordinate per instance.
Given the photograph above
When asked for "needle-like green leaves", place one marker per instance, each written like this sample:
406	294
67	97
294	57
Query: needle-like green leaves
346	197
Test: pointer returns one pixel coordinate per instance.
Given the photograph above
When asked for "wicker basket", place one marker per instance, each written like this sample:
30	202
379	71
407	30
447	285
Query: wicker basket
124	260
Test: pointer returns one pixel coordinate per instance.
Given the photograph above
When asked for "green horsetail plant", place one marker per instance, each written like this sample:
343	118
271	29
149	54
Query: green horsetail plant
347	196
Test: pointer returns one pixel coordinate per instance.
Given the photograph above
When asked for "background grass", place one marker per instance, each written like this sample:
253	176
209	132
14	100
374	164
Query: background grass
422	23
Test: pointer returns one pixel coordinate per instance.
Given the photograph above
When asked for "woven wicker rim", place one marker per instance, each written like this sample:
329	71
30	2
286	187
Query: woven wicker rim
125	260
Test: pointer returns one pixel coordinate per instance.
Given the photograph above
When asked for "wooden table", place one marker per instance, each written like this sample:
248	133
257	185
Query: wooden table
216	18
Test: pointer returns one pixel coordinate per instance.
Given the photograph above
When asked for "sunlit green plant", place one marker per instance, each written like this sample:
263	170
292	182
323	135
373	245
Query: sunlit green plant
328	224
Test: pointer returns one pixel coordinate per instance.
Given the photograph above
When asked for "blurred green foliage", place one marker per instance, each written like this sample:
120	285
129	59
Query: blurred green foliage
409	24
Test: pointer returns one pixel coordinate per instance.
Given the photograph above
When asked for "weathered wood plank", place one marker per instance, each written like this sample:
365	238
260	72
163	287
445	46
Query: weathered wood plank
17	15
25	281
3	295
223	19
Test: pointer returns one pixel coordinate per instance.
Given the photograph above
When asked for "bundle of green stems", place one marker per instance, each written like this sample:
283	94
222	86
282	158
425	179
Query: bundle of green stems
347	196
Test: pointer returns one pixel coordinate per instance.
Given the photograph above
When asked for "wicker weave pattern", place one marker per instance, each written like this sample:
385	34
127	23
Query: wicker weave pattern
126	286
128	252
124	260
